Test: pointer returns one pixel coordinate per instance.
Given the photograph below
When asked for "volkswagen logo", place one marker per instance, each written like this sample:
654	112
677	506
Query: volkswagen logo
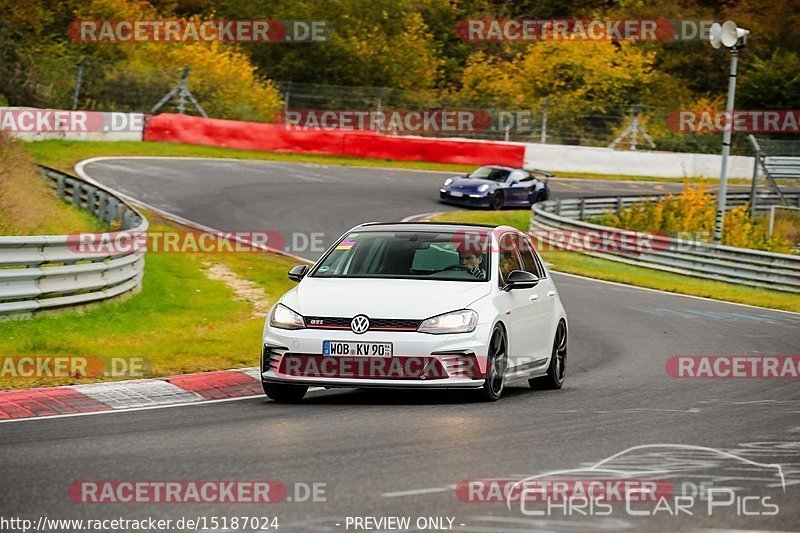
359	324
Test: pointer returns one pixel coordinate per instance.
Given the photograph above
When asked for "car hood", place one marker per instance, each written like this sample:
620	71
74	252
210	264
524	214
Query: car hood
382	298
470	184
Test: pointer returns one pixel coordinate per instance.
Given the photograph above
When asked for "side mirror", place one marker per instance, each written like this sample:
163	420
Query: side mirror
519	279
296	273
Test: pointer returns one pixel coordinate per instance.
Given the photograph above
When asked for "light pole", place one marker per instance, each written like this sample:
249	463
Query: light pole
734	39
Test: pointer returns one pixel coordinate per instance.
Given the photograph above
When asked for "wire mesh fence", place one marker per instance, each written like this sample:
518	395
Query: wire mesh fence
100	84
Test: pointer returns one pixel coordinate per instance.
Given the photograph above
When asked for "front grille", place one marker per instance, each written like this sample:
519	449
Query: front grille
461	364
400	368
375	324
271	357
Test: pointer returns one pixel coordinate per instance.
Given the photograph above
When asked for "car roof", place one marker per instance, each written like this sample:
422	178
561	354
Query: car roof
427	226
501	167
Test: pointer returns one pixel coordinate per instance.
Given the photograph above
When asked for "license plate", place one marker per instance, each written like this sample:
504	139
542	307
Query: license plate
457	194
357	349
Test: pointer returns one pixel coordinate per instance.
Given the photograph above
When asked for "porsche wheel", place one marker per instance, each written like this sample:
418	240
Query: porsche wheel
497	200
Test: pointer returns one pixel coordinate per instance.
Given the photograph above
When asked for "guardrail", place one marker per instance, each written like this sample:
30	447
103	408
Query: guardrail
47	272
699	259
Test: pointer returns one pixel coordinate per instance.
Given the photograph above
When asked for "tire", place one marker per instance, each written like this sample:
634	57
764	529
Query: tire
284	392
557	369
542	196
497	200
496	366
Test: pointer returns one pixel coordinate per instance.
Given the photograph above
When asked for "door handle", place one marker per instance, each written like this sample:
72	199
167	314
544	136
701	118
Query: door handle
533	297
551	293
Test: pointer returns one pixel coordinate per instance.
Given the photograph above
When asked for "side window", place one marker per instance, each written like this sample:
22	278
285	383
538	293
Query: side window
519	175
508	257
529	259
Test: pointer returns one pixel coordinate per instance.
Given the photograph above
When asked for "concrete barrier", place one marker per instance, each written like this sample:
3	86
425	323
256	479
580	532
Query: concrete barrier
595	160
349	143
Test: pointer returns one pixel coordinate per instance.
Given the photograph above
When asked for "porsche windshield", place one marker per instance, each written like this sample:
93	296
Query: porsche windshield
449	256
489	173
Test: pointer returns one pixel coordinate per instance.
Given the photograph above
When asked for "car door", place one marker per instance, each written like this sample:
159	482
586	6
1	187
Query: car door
542	301
514	304
517	188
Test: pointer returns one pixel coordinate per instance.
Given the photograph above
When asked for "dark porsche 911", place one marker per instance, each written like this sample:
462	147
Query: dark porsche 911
497	187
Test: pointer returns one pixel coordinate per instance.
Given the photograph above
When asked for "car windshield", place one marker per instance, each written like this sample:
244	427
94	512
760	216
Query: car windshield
489	173
445	256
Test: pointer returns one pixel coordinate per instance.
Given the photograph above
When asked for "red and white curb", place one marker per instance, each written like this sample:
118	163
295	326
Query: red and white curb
133	394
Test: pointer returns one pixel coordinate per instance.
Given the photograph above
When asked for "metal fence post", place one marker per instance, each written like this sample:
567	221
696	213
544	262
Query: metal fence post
60	186
378	104
79	82
102	205
543	139
757	148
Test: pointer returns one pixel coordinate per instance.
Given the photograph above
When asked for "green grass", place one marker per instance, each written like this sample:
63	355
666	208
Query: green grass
28	205
64	154
181	321
584	265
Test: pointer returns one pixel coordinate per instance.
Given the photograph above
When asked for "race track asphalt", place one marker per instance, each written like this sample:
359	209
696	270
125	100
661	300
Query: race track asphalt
398	453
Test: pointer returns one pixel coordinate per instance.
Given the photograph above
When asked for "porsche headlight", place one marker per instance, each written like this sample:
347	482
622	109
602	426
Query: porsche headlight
483	188
284	318
448	181
462	321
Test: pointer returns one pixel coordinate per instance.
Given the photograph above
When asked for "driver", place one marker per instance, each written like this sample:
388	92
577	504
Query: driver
473	262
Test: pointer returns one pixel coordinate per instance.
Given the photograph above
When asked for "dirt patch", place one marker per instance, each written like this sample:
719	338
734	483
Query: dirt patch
244	290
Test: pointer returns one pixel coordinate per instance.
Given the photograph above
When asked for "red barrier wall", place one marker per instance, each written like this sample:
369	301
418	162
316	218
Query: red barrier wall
275	138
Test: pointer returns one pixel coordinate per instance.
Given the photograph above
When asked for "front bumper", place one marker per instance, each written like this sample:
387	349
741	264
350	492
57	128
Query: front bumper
475	199
434	361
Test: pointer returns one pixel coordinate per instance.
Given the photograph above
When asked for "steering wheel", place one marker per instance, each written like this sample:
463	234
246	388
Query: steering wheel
456	267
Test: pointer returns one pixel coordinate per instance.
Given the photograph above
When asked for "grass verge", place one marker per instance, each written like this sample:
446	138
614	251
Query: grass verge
27	204
64	154
182	321
584	265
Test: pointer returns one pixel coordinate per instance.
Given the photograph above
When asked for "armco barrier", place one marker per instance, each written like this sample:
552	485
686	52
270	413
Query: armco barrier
356	143
46	273
724	263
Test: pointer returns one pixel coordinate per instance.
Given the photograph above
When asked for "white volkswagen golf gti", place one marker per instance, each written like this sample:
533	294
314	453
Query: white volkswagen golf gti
418	305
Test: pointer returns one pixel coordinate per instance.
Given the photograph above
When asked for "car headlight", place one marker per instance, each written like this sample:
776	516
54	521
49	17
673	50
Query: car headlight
284	318
448	181
462	321
483	188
